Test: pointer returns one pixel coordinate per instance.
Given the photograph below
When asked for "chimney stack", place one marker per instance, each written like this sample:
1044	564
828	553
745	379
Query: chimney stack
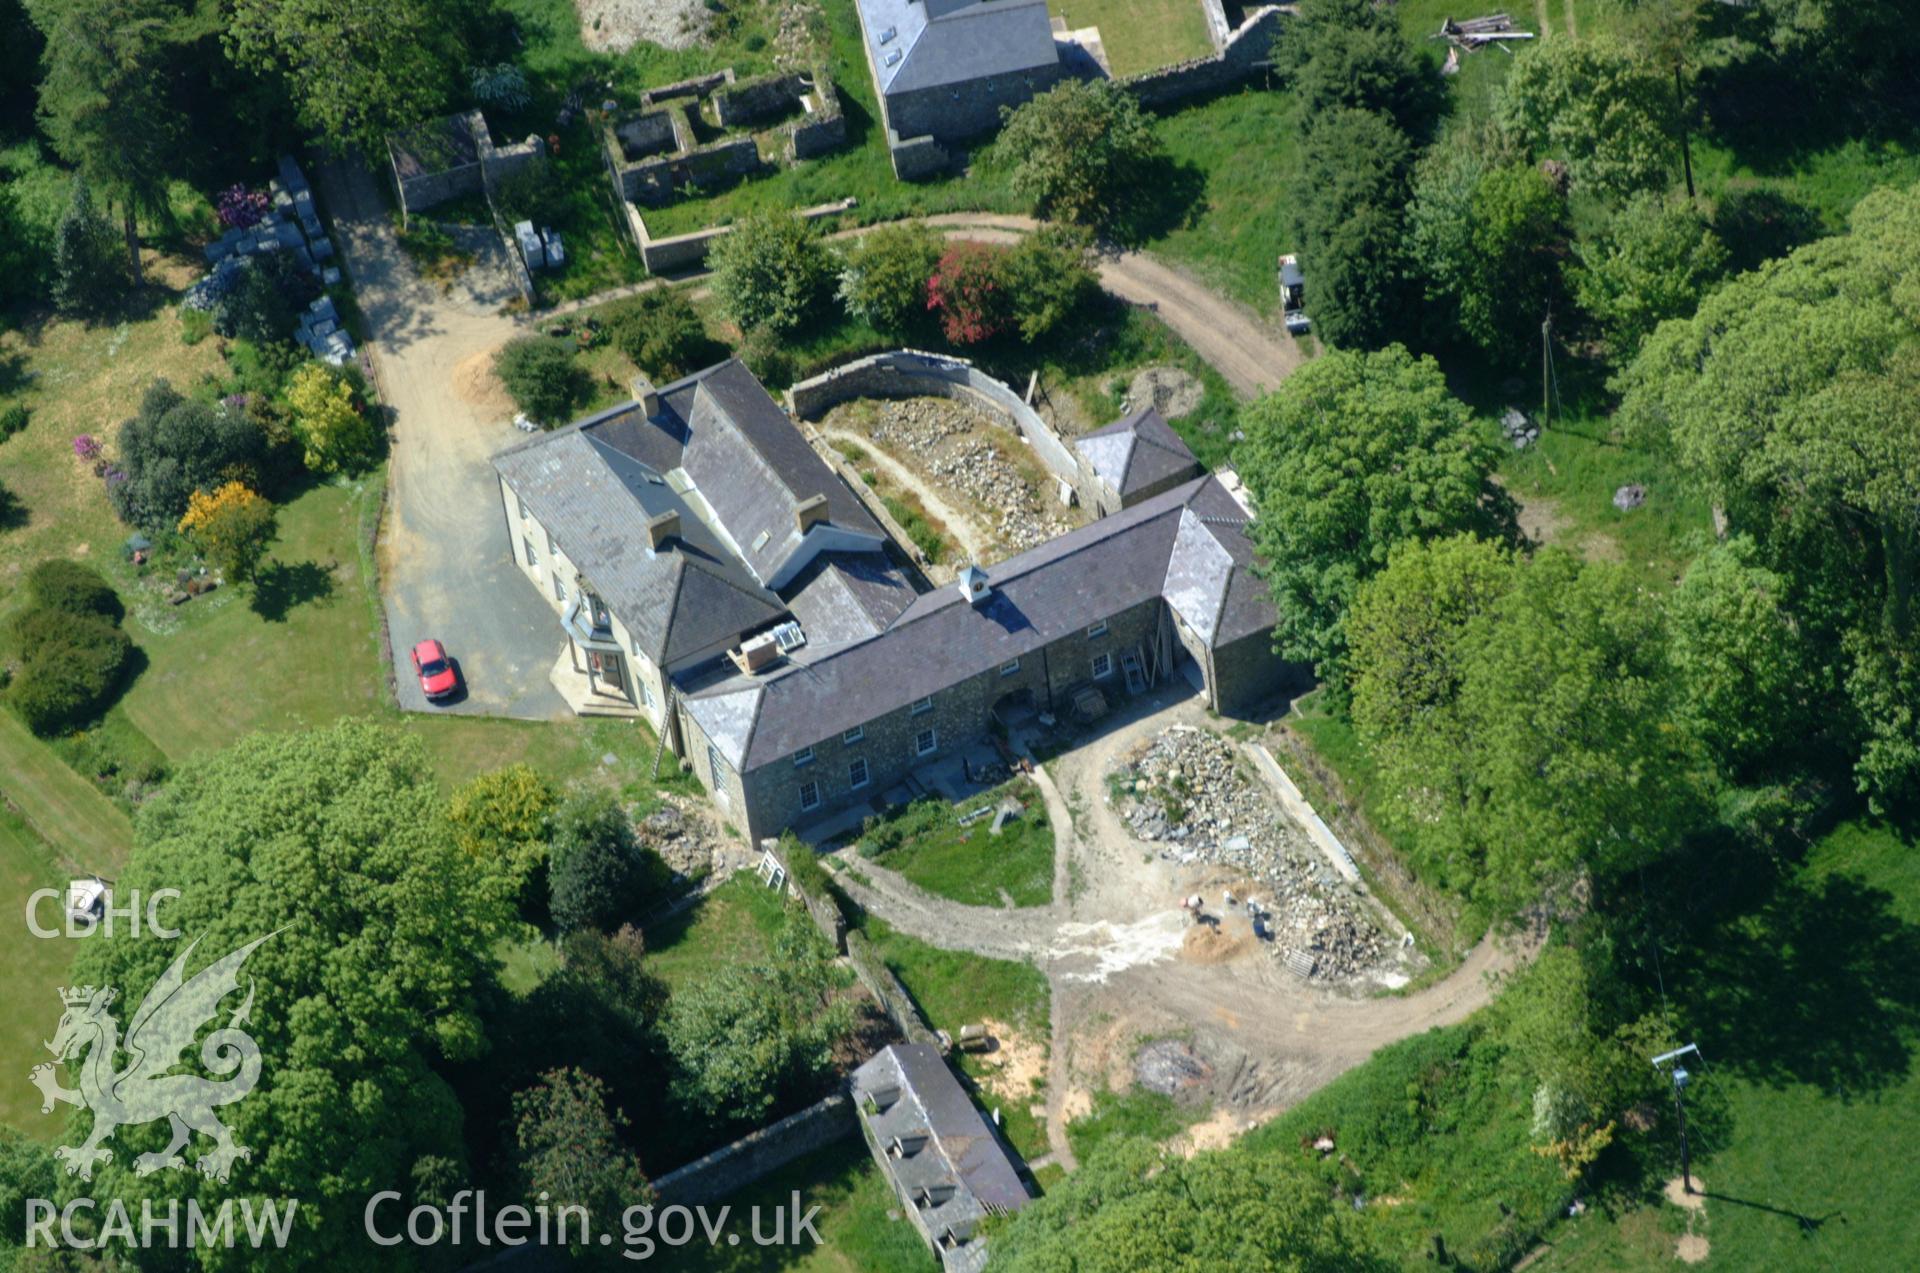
647	396
662	528
812	512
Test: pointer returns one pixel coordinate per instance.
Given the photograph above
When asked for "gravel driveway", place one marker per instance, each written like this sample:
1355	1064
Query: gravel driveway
446	563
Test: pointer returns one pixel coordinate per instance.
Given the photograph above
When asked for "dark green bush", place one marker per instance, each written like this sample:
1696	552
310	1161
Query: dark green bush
174	447
266	303
71	588
13	418
543	377
660	331
70	666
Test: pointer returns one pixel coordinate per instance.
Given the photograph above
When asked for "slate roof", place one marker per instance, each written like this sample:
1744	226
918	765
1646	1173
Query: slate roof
944	42
842	597
1137	451
1187	545
959	1152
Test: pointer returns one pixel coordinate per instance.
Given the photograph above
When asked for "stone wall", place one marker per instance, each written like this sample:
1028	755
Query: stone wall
748	102
759	1154
878	978
645	133
1218	28
697	86
916	157
1247	673
491	164
958	112
1244	54
907	373
688	251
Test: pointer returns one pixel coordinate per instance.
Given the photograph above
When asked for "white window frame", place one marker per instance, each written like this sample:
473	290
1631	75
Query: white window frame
559	586
1010	667
922	707
1102	660
854	735
1097	630
646	691
553	545
813	785
717	771
533	558
803	757
522	501
859	773
932	737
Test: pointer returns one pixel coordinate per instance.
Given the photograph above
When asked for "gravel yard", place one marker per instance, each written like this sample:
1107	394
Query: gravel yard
614	26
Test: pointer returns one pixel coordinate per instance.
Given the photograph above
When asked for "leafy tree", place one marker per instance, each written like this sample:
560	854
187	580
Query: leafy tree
1595	103
1136	1206
27	1170
232	526
1654	261
356	69
771	271
20	264
883	276
1353	455
1668	33
660	332
1352	53
1759	224
1048	277
176	446
748	1038
1861	54
334	842
1349	216
969	293
105	104
1487	239
1735	648
503	820
71	588
1077	151
601	874
265	301
1793	397
567	1147
542	375
86	277
333	430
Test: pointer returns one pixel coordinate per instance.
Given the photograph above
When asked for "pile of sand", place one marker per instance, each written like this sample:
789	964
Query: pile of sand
1208	944
475	384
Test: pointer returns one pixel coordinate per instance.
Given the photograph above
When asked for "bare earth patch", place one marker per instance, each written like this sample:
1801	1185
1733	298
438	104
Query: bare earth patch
1676	1191
1692	1248
614	26
1017	1067
475	384
1168	390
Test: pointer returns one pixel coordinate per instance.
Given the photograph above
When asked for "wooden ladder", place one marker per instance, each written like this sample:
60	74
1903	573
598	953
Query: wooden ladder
666	727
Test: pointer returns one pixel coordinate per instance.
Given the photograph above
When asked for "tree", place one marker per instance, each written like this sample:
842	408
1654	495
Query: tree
174	447
1668	33
1351	53
1792	396
1134	1206
1077	152
567	1147
1487	238
659	331
601	874
232	527
969	293
503	819
356	69
334	842
1862	55
771	271
71	588
264	302
1349	217
105	104
1653	261
542	375
1599	106
69	646
883	276
1353	455
27	1170
1048	277
748	1038
86	279
332	428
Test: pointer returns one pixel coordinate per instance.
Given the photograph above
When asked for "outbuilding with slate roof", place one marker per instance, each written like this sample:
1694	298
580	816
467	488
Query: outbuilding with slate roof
944	68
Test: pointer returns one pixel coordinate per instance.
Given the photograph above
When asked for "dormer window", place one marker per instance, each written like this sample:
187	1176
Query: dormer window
887	36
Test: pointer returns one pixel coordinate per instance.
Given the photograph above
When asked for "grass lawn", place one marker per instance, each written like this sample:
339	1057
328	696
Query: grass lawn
734	924
1135	1112
970	864
855	1231
1140	35
36	967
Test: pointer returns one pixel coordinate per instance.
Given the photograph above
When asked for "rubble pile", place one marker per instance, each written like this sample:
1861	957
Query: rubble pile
1183	792
957	449
679	840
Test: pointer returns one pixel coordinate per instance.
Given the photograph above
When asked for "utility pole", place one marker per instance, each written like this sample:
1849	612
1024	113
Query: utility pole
1546	356
1679	1077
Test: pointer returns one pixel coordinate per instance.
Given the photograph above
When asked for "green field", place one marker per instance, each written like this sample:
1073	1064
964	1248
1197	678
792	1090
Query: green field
1140	35
970	864
734	924
36	967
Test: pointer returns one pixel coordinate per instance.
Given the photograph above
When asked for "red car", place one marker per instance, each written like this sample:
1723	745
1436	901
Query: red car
434	668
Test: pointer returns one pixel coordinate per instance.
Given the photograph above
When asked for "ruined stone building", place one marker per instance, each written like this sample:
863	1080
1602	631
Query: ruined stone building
711	573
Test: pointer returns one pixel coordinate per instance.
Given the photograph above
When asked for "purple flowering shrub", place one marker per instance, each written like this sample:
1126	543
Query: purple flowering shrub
240	207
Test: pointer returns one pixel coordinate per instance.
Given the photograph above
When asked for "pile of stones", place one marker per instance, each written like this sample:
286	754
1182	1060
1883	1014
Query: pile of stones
1520	430
680	841
946	439
1185	792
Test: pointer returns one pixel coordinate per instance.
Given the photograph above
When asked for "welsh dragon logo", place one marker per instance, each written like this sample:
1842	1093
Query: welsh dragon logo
161	1030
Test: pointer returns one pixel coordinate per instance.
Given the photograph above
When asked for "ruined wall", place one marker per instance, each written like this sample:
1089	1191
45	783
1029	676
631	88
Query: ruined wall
1244	54
491	164
759	1153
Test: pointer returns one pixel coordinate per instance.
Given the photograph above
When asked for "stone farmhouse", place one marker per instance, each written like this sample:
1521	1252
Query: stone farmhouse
712	573
944	68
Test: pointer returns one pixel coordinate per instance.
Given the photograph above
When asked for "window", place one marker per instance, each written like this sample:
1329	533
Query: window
925	742
1010	667
803	757
523	507
1102	666
646	693
857	776
809	795
854	735
1097	630
922	707
552	547
533	558
559	587
717	770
